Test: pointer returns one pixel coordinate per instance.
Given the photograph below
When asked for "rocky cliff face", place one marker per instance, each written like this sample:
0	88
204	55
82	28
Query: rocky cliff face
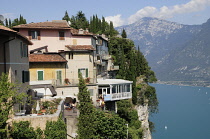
143	114
175	52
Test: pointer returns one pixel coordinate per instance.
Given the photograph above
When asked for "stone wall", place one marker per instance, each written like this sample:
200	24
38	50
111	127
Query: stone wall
40	121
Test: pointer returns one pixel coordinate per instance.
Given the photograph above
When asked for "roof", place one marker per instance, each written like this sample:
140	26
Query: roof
46	58
80	47
80	32
8	31
112	81
38	49
55	24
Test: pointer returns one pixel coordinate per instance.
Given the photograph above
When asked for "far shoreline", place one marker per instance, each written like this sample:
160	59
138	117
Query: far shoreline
185	83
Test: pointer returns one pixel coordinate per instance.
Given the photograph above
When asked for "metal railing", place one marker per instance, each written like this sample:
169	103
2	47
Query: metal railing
117	96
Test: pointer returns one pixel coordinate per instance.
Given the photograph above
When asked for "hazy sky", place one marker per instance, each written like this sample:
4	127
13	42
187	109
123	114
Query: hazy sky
121	12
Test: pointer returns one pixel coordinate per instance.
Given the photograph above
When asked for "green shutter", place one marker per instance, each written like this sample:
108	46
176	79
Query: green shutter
78	72
86	72
40	75
59	76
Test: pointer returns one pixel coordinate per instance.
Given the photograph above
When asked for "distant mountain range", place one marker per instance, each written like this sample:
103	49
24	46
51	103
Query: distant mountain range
178	53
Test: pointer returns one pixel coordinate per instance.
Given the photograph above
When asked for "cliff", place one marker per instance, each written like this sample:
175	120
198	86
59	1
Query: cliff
143	114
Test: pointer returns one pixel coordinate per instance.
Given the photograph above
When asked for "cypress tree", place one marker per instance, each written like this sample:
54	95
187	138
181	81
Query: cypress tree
86	118
66	16
10	23
6	23
124	35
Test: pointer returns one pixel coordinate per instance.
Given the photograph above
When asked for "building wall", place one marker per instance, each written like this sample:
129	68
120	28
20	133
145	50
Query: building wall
49	70
15	63
81	40
80	60
70	91
49	38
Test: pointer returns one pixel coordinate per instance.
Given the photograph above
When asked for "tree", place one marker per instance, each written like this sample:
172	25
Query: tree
79	21
152	99
127	111
8	97
55	129
17	21
66	17
22	130
86	118
124	35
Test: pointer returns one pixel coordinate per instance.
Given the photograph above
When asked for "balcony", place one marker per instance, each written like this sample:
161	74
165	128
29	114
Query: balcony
114	67
74	82
117	96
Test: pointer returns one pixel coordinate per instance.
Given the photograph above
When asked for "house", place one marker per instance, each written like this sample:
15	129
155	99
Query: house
55	34
47	67
14	56
113	90
84	52
76	46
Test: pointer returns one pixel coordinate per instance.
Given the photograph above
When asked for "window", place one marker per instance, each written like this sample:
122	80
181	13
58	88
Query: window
84	72
34	34
91	92
25	76
74	41
61	35
114	89
71	55
59	76
128	88
23	49
40	75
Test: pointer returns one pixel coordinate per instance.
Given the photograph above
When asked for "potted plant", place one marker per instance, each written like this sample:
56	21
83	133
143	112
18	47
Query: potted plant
87	80
66	81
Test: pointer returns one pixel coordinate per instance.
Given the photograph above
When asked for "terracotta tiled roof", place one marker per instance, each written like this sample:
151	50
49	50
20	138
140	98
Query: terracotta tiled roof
8	30
82	32
80	47
55	24
46	58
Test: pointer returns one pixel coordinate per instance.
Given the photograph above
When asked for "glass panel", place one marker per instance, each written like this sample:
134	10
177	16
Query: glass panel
128	88
34	34
108	90
114	90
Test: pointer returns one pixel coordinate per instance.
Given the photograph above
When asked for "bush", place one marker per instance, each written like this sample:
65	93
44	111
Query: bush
22	130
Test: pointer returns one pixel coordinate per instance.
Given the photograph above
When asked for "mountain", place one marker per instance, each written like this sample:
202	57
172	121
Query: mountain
177	53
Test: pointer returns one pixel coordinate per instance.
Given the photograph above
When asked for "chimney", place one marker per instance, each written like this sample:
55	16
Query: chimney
81	31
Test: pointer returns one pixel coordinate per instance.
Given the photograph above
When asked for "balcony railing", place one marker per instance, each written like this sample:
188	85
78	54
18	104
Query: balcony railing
117	96
116	67
74	82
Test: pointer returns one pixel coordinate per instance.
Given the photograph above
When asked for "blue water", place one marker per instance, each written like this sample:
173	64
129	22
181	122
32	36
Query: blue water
184	112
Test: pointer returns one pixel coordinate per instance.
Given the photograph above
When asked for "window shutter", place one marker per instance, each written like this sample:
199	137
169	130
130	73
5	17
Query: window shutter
23	77
38	34
40	75
61	35
21	49
29	35
78	72
86	72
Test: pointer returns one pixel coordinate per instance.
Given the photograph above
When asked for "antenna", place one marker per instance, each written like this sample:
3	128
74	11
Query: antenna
1	18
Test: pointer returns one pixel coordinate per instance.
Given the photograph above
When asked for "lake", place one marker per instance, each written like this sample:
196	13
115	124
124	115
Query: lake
184	112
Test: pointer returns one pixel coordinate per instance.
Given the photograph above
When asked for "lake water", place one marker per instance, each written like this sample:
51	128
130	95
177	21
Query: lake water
184	112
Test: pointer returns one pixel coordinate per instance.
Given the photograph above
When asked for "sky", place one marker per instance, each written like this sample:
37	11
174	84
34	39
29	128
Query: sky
120	12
